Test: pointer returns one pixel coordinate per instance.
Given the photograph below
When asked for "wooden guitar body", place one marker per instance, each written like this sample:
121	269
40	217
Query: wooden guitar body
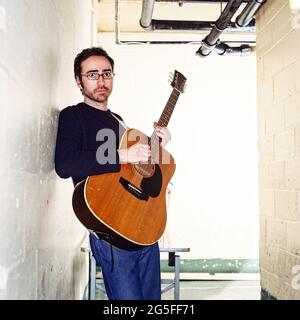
127	208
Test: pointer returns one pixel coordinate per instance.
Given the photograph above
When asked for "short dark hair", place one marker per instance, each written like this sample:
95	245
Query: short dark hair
89	52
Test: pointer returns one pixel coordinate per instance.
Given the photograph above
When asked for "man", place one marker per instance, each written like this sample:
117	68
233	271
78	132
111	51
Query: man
128	275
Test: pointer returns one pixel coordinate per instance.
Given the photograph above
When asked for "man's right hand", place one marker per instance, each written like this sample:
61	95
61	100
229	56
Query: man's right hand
135	154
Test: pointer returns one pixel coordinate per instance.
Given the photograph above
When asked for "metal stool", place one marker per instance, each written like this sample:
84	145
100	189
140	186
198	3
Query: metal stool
173	261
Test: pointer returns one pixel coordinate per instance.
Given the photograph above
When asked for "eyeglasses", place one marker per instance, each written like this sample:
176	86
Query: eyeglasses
96	75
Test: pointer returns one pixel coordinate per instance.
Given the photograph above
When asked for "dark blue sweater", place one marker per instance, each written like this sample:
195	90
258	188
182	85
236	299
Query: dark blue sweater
76	143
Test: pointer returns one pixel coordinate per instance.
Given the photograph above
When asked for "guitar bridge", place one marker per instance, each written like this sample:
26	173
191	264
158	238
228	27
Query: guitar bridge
138	193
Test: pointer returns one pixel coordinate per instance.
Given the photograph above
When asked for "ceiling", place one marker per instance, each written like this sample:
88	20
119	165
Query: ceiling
130	14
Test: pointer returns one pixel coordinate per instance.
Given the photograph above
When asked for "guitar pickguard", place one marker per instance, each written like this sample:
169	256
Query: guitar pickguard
152	185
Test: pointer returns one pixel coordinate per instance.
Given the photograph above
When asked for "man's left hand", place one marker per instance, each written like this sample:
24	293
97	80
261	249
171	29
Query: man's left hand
163	133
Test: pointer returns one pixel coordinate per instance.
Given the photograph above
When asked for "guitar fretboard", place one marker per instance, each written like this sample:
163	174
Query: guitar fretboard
169	108
163	122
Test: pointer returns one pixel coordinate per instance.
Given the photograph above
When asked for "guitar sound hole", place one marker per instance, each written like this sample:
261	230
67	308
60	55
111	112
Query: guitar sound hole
145	170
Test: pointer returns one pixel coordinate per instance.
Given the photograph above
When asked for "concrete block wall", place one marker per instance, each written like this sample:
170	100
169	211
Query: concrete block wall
278	61
40	237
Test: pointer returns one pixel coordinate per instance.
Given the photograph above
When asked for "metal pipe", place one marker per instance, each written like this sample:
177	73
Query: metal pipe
249	12
196	25
224	49
164	42
147	22
226	15
147	13
212	38
166	24
199	1
117	22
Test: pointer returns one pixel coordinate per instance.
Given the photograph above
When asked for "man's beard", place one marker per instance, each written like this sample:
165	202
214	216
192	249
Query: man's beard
93	96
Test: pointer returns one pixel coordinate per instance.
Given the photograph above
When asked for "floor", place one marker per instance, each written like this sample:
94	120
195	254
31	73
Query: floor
211	290
217	290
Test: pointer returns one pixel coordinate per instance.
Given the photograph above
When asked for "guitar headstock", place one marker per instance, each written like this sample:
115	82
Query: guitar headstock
178	81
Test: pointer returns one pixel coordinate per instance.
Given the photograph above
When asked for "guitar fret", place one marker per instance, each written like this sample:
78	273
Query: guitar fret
169	108
164	120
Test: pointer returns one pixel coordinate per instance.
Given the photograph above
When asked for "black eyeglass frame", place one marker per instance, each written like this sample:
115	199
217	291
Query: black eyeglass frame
99	75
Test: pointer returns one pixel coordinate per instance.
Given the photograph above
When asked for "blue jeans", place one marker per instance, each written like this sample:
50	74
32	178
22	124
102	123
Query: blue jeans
128	275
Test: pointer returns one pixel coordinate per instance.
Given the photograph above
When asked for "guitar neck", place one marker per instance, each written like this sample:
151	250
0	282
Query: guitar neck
167	112
169	108
164	119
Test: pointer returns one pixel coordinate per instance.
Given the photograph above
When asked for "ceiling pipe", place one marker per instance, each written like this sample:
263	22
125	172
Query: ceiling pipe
249	12
135	42
147	22
196	26
147	13
199	1
244	19
211	40
224	49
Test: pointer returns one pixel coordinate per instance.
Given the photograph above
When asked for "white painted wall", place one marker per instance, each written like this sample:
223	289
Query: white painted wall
40	237
214	201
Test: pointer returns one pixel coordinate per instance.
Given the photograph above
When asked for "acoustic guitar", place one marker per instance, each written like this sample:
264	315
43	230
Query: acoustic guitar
128	208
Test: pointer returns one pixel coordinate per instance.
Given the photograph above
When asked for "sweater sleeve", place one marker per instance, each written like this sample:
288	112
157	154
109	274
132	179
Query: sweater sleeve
70	158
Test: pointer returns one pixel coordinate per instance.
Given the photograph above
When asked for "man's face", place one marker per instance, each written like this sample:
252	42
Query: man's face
95	90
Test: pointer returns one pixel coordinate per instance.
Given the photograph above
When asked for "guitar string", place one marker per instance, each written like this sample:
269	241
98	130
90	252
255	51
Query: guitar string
142	169
154	140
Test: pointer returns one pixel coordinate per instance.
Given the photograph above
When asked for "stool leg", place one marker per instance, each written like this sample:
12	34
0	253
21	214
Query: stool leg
92	276
176	278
